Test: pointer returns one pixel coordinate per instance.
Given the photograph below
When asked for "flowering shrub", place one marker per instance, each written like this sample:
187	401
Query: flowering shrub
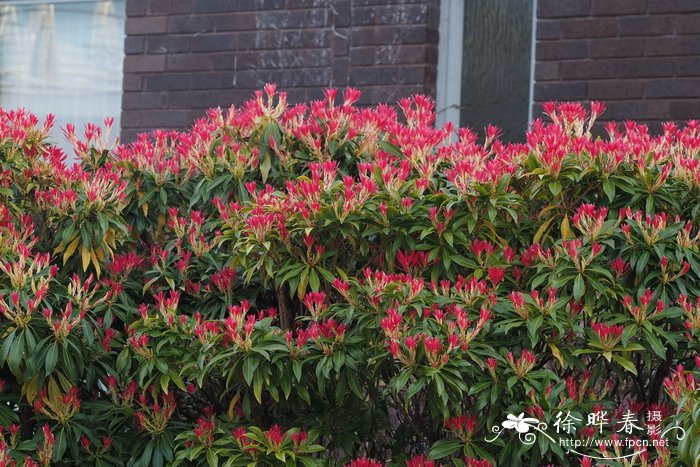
328	283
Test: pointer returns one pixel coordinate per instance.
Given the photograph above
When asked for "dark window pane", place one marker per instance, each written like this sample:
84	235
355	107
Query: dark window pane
496	65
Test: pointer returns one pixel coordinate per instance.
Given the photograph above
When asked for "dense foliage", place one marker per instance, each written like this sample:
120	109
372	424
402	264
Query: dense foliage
328	284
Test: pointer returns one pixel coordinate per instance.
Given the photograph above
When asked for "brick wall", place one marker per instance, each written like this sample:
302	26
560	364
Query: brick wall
641	57
185	56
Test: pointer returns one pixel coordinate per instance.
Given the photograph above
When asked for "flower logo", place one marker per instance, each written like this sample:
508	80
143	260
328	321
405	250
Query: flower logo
519	423
522	425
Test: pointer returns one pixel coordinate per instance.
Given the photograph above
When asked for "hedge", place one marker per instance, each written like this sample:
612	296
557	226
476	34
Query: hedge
329	284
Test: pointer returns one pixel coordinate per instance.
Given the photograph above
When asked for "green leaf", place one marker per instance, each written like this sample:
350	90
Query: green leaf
444	448
250	364
650	204
314	281
7	346
628	333
177	380
401	380
16	352
161	365
265	167
147	454
8	416
157	457
642	262
60	445
449	238
164	382
533	325
51	358
632	348
626	364
390	148
555	187
579	287
296	368
257	387
123	360
212	458
655	344
609	189
414	388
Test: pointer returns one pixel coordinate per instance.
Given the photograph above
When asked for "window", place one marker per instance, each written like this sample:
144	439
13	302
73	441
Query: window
492	66
63	57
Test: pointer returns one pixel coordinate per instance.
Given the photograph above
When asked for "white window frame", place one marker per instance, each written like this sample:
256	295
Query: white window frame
448	92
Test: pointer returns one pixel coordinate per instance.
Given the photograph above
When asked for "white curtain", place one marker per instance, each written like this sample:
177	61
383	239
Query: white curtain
63	57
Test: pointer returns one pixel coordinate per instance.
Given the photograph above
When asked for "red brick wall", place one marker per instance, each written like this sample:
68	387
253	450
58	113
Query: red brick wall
185	56
641	57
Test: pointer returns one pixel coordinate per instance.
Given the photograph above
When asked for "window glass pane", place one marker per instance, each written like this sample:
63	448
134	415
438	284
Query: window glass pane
496	65
63	58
